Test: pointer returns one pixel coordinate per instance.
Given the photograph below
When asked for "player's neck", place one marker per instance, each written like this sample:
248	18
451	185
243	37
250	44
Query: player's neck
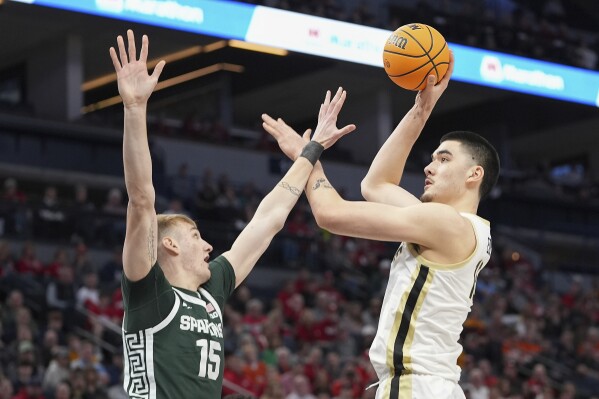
177	277
465	204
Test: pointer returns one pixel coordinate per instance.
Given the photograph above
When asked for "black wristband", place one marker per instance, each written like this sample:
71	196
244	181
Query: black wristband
312	151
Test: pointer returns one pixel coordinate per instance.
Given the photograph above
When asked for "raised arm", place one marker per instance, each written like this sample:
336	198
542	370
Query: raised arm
381	183
275	207
431	225
135	87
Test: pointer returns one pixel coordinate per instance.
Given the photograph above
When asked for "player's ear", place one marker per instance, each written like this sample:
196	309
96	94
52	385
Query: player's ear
475	174
170	245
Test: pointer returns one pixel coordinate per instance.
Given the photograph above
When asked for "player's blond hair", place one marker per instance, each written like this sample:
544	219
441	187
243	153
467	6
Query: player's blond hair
167	222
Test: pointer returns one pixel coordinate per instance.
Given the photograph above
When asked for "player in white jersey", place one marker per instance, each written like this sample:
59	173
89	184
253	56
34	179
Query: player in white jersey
444	245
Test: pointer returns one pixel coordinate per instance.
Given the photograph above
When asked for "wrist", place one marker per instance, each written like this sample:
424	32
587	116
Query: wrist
135	106
424	109
312	151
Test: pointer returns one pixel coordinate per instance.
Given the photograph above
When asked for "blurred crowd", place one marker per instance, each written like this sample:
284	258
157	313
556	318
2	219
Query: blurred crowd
308	337
547	30
59	324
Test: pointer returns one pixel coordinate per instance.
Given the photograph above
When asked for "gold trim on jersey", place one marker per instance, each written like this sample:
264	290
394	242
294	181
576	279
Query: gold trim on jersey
446	266
402	383
407	357
405	386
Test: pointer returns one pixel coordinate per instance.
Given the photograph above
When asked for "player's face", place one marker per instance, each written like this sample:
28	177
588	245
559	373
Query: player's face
195	251
445	176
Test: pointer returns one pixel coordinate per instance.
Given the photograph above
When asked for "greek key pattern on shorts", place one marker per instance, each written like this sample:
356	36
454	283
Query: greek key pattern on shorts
139	386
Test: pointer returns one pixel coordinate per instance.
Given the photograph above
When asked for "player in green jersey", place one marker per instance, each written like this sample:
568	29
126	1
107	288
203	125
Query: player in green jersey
172	330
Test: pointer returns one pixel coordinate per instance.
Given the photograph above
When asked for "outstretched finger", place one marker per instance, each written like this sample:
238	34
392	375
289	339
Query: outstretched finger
132	50
158	69
306	135
324	105
269	124
122	52
327	98
115	59
346	129
272	129
143	55
268	119
338	102
321	111
338	94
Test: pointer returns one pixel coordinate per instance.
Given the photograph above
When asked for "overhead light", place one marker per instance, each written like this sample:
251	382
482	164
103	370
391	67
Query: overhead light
258	47
176	56
168	83
215	46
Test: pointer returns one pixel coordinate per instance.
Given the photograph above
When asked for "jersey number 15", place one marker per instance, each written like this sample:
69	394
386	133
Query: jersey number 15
209	358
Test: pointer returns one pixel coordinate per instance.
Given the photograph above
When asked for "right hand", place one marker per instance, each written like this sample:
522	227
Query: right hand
135	84
428	97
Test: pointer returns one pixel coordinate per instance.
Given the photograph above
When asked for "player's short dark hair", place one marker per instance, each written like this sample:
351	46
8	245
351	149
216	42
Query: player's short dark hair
483	153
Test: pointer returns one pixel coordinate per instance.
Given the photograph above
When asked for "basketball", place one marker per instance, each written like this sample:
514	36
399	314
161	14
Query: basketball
413	52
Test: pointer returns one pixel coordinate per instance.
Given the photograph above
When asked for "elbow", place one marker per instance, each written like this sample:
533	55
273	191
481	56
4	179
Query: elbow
271	223
141	201
326	220
366	189
278	223
141	196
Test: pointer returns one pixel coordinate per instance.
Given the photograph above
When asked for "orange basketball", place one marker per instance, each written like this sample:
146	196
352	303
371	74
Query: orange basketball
413	52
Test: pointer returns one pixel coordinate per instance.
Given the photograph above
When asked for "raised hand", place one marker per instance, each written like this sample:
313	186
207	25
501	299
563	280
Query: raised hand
428	97
290	142
135	84
326	132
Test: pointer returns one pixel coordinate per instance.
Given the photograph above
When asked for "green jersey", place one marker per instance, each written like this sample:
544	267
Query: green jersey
172	337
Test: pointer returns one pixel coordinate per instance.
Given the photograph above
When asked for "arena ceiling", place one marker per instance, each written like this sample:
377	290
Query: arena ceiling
289	86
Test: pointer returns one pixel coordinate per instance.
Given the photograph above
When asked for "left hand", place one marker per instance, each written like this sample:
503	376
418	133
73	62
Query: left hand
290	142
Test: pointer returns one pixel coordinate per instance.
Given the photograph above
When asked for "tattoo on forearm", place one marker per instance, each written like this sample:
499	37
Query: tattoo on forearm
151	245
320	181
294	190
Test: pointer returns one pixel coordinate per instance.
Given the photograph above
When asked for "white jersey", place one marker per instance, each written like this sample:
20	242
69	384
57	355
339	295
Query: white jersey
425	306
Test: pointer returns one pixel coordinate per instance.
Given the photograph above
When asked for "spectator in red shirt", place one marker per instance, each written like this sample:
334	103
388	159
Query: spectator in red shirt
60	258
28	263
105	309
33	390
234	372
574	293
539	381
313	363
306	328
347	381
254	318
